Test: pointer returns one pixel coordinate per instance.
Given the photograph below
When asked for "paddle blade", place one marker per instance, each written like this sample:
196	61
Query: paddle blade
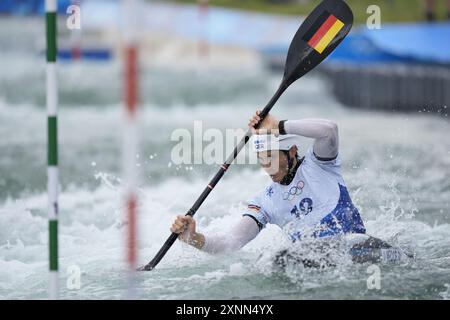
317	37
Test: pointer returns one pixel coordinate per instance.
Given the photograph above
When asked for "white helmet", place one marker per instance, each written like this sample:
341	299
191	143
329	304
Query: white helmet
268	142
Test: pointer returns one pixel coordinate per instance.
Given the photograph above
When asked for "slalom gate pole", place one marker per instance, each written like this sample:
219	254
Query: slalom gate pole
130	141
52	146
203	12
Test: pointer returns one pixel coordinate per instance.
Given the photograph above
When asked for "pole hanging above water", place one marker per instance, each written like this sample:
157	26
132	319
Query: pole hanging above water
130	142
203	45
52	146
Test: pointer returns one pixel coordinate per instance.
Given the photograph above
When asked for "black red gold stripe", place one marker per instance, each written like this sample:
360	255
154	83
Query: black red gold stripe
324	30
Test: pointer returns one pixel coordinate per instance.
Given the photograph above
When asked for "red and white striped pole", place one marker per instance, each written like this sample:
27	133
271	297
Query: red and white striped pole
130	141
203	45
51	9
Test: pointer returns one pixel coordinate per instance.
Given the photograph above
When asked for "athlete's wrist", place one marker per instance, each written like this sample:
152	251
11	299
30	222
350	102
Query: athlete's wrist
281	128
196	240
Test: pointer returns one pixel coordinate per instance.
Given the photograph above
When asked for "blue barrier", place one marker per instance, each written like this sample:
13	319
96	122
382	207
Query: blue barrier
29	7
420	43
86	54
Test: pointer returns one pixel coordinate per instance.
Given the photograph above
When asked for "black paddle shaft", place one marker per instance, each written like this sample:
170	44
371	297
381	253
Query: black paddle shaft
330	21
223	168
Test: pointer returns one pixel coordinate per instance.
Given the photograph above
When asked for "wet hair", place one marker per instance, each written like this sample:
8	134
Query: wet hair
287	179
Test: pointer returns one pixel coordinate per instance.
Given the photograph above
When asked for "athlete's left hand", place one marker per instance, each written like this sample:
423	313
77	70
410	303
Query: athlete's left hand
268	126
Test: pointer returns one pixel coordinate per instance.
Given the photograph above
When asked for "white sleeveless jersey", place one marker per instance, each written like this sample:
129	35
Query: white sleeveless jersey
316	202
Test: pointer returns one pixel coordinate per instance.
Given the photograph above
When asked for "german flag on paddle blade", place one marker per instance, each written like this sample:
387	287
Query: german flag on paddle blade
323	31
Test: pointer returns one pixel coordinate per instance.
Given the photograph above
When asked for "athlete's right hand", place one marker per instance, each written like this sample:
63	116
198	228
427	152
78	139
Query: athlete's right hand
268	126
185	227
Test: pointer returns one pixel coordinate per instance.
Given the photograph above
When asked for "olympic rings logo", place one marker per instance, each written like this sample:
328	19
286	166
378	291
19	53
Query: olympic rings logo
294	191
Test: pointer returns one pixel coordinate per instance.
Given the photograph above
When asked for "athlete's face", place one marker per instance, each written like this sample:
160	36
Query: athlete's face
275	163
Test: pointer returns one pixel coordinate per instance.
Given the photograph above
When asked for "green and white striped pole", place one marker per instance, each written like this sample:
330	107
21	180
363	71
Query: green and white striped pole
130	11
52	147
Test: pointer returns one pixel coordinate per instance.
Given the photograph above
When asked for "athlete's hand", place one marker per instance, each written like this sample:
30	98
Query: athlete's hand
185	227
268	126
